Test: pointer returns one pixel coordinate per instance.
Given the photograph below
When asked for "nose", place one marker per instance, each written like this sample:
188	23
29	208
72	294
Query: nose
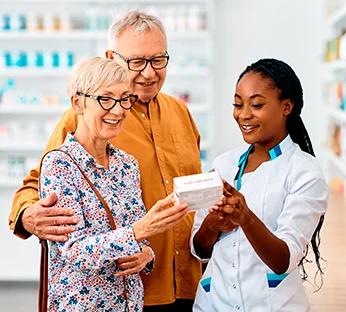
117	110
245	112
148	72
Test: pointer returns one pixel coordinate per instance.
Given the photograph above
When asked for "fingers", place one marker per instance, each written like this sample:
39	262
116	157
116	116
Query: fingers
52	212
229	189
49	200
164	203
55	233
128	264
126	260
128	272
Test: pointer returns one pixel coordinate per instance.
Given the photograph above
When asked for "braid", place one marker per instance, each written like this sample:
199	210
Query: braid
282	77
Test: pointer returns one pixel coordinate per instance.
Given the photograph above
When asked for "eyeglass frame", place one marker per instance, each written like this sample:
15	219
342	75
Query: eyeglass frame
147	60
116	101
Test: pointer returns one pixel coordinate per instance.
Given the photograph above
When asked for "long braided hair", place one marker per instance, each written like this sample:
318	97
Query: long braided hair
282	76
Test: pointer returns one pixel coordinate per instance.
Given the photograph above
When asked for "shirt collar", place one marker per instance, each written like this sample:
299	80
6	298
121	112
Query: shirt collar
78	152
275	152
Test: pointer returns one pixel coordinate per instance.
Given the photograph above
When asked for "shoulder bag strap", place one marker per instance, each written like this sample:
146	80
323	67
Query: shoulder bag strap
43	284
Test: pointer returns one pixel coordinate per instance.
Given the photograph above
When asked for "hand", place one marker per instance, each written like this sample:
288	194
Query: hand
134	263
159	218
234	206
217	221
49	223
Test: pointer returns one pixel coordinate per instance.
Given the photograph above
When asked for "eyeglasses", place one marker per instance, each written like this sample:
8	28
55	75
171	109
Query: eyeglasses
140	63
107	102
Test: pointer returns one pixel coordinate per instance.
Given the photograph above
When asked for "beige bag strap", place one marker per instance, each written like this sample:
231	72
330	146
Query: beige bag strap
43	283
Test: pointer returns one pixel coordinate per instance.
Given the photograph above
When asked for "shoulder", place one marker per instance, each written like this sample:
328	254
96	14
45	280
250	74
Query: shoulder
230	157
304	166
123	156
57	158
171	101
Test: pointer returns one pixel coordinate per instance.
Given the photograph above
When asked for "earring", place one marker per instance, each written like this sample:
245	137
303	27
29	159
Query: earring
80	113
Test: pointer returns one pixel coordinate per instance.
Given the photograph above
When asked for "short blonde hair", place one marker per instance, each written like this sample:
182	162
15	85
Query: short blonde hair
139	20
92	73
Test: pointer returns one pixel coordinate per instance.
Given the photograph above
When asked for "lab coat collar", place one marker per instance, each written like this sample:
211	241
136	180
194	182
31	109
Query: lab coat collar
275	152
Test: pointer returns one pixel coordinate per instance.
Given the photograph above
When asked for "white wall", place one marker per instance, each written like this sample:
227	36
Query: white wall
290	30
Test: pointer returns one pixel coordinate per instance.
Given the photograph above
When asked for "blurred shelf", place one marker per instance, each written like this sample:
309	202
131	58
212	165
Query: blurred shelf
337	65
87	35
338	19
22	146
10	183
205	145
188	72
24	109
34	72
196	108
337	162
113	2
337	114
63	73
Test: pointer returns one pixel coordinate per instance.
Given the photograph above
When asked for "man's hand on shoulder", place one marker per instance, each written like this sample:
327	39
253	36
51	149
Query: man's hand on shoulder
46	222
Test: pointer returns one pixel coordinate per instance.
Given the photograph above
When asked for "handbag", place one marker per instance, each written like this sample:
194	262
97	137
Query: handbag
43	282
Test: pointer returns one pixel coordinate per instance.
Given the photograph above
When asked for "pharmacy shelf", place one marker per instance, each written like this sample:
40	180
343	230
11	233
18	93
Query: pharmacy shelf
34	72
87	35
57	109
205	145
338	19
23	109
337	114
113	2
22	146
337	162
64	73
10	183
338	65
197	108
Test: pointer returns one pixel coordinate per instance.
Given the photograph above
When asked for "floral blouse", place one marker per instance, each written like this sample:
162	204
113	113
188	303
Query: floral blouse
82	270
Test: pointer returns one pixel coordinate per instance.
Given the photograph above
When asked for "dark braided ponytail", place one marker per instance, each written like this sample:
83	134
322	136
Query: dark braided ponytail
282	77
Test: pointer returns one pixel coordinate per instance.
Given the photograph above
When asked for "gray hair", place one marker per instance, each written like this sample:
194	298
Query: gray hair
139	20
92	73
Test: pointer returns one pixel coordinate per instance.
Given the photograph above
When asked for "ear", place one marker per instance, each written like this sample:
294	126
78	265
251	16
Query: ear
109	54
77	104
288	107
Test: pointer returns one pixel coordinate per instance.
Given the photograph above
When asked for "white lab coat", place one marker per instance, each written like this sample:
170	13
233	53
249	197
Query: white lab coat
289	194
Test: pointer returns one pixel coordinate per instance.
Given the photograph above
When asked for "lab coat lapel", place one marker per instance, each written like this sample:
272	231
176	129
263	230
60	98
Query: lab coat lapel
255	188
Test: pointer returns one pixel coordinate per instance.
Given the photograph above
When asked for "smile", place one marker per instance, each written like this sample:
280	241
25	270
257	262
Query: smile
146	84
247	128
111	121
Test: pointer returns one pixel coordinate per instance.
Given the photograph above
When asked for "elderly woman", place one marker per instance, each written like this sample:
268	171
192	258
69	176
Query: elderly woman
97	268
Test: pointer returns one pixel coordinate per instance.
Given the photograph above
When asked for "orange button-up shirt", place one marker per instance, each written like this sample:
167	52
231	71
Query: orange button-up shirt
166	145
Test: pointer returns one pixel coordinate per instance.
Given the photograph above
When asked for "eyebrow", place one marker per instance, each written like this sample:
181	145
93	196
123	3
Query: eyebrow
142	56
251	97
107	93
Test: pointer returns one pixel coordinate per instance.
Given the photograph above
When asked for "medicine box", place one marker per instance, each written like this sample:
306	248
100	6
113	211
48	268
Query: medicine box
199	191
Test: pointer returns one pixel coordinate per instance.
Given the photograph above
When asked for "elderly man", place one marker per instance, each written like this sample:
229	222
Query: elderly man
162	135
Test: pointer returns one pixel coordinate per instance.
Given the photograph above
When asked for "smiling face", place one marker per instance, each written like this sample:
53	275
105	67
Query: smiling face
147	83
259	112
97	123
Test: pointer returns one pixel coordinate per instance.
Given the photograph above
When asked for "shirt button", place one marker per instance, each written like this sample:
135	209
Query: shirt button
233	265
158	148
234	286
238	307
167	181
234	244
143	115
177	252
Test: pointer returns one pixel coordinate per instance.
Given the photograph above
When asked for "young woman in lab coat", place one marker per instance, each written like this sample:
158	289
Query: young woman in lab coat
275	198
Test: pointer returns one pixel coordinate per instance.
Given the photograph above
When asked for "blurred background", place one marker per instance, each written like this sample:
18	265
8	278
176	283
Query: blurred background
210	43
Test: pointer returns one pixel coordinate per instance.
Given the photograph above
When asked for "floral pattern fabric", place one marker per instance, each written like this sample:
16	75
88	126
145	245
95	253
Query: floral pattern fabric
82	270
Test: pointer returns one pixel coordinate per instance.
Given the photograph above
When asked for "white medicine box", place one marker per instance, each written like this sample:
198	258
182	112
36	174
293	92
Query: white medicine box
199	191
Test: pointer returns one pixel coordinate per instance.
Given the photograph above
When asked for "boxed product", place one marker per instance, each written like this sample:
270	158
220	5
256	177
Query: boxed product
199	191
